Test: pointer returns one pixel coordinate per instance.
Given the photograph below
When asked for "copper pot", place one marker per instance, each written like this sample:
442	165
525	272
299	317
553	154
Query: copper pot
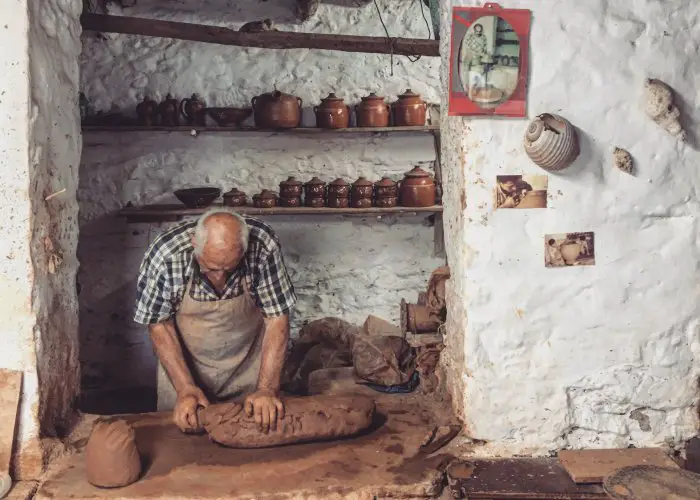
265	199
372	112
417	189
168	112
276	110
361	193
192	109
339	188
291	188
386	188
332	113
315	189
338	201
416	318
292	201
146	111
386	201
234	198
409	110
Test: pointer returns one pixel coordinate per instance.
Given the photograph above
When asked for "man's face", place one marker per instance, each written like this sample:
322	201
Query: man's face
508	187
478	29
217	264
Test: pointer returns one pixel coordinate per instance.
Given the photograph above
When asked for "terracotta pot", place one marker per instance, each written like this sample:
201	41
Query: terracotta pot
265	199
292	201
192	109
317	202
315	188
146	112
235	198
372	112
570	253
168	112
417	189
409	110
332	113
386	188
291	188
386	201
339	189
338	201
416	318
276	110
361	193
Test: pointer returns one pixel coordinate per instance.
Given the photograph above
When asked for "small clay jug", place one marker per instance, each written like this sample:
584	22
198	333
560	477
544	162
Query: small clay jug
265	199
332	113
385	188
235	198
372	112
291	188
146	112
417	189
339	188
168	112
192	109
276	110
409	110
361	193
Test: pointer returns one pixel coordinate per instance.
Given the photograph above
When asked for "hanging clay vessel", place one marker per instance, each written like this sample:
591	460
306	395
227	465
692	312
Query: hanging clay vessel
409	110
234	198
265	199
372	112
315	193
361	193
332	113
192	109
417	189
551	142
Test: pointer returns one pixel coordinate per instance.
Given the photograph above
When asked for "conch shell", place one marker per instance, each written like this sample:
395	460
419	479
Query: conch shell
551	142
660	107
112	458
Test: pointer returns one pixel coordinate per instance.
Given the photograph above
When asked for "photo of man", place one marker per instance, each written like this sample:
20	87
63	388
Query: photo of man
569	249
520	191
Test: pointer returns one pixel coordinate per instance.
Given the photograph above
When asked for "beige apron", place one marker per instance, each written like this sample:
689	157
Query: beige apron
222	344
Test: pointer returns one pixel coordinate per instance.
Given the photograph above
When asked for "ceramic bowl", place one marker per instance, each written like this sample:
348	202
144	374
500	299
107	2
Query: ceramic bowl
229	117
197	197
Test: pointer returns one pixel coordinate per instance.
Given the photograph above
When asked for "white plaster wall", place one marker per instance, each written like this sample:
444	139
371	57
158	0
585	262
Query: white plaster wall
603	356
347	267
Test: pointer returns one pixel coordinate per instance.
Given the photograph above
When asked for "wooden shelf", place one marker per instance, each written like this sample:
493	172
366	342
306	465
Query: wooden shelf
267	40
167	213
299	130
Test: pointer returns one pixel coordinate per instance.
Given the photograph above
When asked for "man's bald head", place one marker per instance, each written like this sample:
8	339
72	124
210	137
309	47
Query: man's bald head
220	231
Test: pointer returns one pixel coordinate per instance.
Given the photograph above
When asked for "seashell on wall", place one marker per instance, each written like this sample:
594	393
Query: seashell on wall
551	142
661	108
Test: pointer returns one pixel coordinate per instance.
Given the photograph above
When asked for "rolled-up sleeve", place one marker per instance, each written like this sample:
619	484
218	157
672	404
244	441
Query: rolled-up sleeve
273	290
153	293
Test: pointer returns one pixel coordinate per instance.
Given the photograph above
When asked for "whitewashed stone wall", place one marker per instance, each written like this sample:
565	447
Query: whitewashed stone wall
347	267
603	356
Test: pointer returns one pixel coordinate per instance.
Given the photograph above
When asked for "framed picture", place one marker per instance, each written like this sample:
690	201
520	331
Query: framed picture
489	61
569	249
520	191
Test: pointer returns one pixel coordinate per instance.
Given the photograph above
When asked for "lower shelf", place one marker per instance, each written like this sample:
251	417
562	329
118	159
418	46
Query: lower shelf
167	213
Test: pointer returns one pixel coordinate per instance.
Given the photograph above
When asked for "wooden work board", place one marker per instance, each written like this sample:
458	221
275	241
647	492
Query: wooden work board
593	466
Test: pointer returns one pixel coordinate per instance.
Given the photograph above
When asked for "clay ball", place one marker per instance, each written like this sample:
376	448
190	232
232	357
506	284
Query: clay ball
112	458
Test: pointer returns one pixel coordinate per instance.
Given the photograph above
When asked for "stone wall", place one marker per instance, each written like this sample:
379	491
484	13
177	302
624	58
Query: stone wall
603	356
348	267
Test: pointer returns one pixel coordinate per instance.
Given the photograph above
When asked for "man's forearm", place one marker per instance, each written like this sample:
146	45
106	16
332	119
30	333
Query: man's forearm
170	354
274	350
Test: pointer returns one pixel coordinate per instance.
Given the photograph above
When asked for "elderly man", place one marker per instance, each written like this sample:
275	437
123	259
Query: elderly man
216	297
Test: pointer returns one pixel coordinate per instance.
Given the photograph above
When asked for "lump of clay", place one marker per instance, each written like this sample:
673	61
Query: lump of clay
112	456
661	108
623	160
313	418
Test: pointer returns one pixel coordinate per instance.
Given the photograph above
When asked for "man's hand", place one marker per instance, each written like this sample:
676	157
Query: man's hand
185	411
266	407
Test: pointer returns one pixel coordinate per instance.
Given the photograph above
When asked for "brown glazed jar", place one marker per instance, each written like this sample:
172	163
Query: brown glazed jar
372	112
361	193
332	113
386	188
276	110
409	110
235	198
386	201
339	188
168	112
417	189
315	193
146	111
288	202
192	109
291	188
265	199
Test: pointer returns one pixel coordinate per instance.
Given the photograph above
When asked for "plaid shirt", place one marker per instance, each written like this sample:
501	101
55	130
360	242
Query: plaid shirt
169	264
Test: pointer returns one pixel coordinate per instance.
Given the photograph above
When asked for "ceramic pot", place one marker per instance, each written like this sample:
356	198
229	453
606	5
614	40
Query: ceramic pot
317	202
276	110
338	201
235	198
292	201
146	111
362	188
315	189
386	201
168	112
291	188
265	199
386	188
570	253
192	109
409	110
551	142
416	318
339	189
417	189
332	113
372	112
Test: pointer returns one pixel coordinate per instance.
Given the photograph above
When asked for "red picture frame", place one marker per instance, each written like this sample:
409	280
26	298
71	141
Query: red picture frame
493	100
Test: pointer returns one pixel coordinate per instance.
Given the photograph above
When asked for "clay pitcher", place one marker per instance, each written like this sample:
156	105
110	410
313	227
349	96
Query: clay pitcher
570	252
276	110
372	112
192	109
409	110
332	113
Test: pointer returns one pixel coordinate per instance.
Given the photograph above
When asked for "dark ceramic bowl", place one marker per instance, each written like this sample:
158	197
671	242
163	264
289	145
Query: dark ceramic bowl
229	117
197	197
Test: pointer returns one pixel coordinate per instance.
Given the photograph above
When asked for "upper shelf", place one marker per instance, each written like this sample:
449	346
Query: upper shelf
299	130
266	39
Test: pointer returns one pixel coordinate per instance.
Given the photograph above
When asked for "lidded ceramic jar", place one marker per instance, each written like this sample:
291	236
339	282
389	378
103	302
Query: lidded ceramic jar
146	111
417	189
277	110
315	193
361	193
290	188
168	112
338	194
332	113
409	110
372	112
265	199
234	198
385	193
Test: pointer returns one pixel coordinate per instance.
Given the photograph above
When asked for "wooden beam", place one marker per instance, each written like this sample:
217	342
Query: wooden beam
266	40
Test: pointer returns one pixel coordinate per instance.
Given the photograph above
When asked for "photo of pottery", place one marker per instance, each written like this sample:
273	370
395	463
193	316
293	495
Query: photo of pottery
520	191
569	249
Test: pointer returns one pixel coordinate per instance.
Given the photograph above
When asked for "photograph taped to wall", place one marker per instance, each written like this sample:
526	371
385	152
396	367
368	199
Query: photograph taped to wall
520	191
569	249
489	61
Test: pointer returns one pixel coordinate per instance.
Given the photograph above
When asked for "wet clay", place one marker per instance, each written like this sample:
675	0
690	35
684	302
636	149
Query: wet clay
313	418
111	456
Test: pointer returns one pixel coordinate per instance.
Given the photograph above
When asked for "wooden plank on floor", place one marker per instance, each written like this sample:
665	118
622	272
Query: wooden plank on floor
593	466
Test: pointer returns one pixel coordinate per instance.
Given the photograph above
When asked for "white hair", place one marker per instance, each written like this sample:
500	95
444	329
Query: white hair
200	230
